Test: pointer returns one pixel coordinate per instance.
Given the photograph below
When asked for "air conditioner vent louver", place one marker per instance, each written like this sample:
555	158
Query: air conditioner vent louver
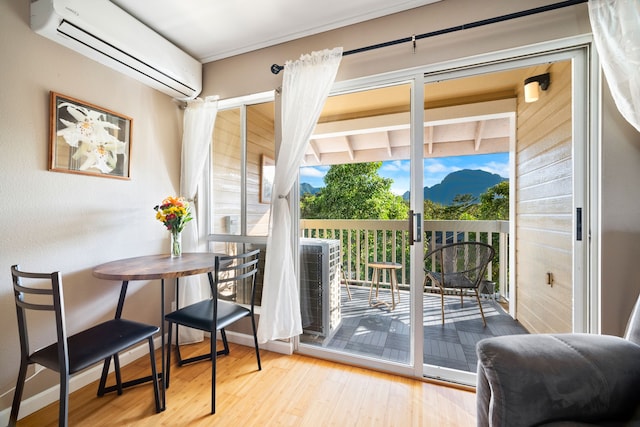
100	30
320	286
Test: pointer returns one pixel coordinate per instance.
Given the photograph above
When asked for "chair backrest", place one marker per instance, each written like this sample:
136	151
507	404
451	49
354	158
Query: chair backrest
40	292
237	270
469	259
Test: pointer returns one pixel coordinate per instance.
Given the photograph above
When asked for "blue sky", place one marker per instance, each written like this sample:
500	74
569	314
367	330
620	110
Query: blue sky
434	170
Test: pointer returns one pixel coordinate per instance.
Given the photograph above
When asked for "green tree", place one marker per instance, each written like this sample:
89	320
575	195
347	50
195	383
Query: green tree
494	203
354	191
461	207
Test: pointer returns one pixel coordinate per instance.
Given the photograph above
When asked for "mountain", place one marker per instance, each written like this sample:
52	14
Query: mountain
466	181
308	188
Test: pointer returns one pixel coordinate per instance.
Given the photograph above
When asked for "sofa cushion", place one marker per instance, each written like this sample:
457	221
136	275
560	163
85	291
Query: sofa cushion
537	379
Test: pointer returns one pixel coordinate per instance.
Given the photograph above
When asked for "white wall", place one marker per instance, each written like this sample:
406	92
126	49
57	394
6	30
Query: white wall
620	228
58	221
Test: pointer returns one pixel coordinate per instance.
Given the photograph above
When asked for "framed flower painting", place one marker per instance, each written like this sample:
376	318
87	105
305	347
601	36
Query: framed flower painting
88	140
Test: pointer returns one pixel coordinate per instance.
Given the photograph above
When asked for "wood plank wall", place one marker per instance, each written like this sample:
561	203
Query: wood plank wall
260	141
544	195
227	177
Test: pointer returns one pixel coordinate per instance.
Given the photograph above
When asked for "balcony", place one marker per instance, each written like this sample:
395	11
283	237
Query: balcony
384	333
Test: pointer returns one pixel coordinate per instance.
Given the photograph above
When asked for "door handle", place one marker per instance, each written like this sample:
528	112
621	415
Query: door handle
417	237
578	224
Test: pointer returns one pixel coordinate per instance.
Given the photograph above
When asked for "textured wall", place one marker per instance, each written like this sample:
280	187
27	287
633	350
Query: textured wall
58	221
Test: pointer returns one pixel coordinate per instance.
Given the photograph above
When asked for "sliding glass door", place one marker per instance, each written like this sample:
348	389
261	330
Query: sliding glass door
454	144
380	186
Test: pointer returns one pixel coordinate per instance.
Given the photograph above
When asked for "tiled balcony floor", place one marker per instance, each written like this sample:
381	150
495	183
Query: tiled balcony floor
384	334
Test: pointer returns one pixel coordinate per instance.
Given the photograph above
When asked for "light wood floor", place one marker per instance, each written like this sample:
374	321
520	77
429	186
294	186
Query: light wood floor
289	391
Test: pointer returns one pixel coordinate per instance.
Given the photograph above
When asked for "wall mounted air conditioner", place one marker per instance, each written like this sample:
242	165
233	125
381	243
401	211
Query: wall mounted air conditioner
102	31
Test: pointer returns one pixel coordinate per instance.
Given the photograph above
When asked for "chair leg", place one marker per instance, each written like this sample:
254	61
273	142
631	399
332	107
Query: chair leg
154	373
179	360
393	284
225	343
103	377
213	373
255	342
373	275
346	284
116	367
168	361
63	413
442	303
480	305
17	395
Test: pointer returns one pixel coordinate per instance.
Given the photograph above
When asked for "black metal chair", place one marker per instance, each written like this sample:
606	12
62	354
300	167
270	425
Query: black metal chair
70	354
214	314
458	267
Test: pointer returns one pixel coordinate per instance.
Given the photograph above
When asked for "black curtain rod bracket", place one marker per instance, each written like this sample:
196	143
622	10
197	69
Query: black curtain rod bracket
275	68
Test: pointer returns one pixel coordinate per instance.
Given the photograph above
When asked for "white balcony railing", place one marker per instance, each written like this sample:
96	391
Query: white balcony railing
364	241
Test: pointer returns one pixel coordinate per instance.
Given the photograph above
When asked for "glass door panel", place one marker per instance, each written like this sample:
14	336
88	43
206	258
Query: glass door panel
488	180
354	202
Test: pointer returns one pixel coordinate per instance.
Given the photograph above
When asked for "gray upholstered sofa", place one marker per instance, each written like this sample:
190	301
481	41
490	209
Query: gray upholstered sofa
560	379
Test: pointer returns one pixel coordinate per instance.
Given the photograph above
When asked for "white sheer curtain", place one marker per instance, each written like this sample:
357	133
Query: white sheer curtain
616	31
305	87
199	120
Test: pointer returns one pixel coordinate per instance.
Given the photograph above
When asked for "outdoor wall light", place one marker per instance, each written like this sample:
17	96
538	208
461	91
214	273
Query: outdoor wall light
532	87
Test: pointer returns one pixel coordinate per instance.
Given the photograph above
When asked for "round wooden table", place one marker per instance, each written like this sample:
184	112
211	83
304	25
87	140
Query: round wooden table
391	268
153	267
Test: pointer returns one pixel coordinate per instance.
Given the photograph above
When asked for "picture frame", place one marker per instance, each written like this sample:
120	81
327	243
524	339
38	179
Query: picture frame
267	173
87	139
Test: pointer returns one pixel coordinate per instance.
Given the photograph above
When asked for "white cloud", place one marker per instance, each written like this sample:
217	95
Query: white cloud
501	169
402	166
313	171
435	171
437	167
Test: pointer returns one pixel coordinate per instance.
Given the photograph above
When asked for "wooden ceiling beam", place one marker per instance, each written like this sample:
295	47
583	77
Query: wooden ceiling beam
478	134
428	139
314	149
347	141
388	144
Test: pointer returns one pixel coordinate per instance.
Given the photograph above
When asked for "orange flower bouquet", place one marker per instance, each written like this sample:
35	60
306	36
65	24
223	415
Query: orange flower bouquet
174	213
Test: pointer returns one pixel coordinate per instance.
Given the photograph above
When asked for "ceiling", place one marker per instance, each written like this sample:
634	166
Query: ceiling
467	116
365	126
210	30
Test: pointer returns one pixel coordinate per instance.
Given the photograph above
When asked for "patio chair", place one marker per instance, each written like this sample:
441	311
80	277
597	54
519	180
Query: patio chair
70	354
214	314
458	267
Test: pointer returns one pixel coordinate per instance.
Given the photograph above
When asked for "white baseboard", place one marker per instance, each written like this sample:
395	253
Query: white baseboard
247	340
77	381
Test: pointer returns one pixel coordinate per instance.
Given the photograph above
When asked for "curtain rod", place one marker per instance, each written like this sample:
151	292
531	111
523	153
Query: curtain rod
275	68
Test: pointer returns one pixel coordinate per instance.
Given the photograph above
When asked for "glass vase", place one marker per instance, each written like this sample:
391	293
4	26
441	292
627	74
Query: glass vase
176	244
